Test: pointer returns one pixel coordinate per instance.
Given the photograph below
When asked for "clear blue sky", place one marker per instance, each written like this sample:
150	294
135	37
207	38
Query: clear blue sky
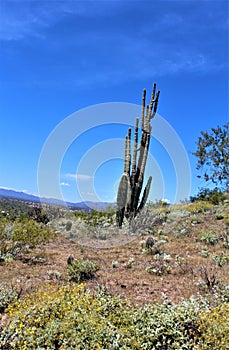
58	57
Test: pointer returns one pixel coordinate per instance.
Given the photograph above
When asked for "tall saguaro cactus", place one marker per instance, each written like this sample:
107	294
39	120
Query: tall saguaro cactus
131	182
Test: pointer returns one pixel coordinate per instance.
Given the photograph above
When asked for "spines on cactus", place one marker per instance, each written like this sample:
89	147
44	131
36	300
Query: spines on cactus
145	194
131	182
122	197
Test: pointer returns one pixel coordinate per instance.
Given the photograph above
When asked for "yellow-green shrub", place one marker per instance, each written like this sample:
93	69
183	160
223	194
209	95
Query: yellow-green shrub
8	294
214	327
30	233
81	269
19	236
72	317
199	207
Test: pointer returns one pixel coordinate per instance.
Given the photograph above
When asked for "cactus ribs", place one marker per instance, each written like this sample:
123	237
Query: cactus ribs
131	182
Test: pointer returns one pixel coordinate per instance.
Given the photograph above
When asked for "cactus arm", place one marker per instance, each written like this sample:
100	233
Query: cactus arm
127	159
144	159
143	107
129	150
122	191
145	194
120	217
152	98
122	197
134	159
155	105
141	155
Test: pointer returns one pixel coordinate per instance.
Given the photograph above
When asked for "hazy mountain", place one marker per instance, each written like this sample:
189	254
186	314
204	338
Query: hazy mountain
32	198
18	195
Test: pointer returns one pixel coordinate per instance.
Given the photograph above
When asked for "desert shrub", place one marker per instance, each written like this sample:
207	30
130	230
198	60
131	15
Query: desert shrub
160	265
156	249
129	263
72	317
205	253
38	214
214	328
4	237
214	196
163	264
7	296
199	207
98	232
161	203
30	234
102	234
21	235
209	238
147	220
54	274
68	225
209	277
68	318
221	259
81	270
226	220
226	243
98	218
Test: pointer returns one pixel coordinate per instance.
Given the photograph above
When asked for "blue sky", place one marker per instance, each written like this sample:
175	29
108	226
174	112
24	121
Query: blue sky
59	57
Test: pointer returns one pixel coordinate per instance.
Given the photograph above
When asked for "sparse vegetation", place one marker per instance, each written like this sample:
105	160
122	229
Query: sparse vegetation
210	238
170	293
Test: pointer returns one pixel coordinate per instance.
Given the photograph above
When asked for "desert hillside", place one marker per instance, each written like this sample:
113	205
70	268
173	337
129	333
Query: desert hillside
185	257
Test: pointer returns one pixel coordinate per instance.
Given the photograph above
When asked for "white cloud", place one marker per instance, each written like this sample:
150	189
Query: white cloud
65	184
170	54
82	177
19	20
88	194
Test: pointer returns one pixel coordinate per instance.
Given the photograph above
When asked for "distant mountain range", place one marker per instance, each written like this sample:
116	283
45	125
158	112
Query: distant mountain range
87	205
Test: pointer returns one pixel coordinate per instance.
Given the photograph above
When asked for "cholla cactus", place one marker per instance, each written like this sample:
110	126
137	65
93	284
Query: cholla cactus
131	182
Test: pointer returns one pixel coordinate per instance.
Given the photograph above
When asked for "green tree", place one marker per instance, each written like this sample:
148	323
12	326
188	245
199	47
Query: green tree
213	156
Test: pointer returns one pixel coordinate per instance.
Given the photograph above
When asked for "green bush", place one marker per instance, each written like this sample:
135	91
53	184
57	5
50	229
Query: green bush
81	270
214	196
72	317
4	237
7	296
18	237
199	207
214	328
221	259
209	238
30	233
68	225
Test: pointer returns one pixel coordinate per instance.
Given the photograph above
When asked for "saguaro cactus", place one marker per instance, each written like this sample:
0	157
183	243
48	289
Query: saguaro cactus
131	182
